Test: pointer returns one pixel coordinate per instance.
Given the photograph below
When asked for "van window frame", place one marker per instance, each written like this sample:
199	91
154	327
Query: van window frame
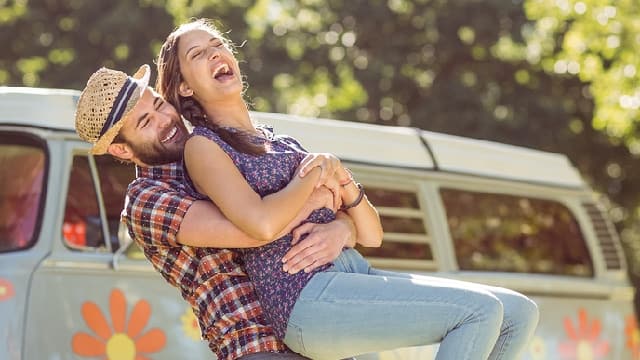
390	179
36	141
95	179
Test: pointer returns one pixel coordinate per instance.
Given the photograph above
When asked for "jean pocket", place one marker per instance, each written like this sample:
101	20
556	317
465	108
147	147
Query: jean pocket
293	338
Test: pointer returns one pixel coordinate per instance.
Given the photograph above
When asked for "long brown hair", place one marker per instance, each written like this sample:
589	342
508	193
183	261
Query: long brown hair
170	77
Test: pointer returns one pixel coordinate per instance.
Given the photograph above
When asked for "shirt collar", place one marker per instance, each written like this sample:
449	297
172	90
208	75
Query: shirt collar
166	172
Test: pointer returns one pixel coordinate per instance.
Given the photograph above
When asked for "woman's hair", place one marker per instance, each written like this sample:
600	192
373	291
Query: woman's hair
170	77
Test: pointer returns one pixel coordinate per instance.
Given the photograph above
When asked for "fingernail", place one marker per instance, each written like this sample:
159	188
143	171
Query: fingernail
285	268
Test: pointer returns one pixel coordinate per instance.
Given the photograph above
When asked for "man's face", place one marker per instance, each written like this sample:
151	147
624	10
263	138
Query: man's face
154	131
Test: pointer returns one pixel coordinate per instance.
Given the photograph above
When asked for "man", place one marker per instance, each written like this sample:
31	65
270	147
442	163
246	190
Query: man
185	238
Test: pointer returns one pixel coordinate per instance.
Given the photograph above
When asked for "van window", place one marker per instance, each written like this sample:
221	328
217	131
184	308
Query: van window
82	225
496	232
405	233
114	176
23	164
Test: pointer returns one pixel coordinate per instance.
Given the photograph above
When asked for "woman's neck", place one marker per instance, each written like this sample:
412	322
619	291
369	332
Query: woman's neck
230	114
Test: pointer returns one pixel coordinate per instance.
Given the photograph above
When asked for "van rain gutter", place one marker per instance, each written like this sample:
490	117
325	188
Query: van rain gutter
428	147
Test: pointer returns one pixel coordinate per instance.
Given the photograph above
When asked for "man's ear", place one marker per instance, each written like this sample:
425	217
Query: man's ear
121	151
184	89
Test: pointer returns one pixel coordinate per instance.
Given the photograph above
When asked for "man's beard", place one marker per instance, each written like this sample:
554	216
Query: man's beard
155	154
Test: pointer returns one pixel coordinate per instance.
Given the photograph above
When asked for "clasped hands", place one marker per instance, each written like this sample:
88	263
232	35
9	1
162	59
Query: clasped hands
324	242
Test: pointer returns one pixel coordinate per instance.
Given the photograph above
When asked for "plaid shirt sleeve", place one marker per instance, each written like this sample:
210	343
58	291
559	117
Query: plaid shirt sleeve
153	213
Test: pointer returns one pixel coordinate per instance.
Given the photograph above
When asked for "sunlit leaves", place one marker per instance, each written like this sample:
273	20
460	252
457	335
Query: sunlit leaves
12	11
61	56
600	46
31	68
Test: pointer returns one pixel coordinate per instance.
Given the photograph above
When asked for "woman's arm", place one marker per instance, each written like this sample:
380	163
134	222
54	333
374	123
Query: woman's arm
362	212
205	226
215	175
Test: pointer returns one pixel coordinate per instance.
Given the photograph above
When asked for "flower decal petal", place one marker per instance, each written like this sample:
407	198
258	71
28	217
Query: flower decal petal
95	320
118	307
86	345
152	341
139	318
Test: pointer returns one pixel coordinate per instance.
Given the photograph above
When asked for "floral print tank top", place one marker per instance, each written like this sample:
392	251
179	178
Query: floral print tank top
267	174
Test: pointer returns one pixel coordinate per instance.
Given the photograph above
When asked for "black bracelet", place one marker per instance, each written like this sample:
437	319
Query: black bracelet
357	201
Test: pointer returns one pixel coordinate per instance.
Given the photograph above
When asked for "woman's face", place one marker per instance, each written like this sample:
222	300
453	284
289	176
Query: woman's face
209	69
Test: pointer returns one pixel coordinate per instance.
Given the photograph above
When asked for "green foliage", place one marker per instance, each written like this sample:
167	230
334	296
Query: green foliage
598	41
557	75
59	43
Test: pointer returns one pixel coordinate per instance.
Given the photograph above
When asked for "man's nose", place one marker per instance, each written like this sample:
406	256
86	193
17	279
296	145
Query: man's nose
163	120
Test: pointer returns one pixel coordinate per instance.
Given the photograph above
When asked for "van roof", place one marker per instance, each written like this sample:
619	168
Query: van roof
357	142
35	106
415	148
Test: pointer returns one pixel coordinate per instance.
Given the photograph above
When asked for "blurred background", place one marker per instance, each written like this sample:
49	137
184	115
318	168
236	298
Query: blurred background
555	75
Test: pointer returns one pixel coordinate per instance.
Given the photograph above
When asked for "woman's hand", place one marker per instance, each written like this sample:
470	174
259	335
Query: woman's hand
328	164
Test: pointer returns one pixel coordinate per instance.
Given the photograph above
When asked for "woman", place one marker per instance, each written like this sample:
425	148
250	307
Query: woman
331	312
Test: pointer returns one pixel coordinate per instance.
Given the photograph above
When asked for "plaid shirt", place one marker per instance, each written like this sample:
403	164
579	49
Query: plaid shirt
211	280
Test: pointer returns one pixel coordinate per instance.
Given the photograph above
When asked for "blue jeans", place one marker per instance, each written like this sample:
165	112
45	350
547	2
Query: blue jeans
354	309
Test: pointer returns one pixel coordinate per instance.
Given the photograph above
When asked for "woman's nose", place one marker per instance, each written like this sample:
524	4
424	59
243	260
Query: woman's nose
213	53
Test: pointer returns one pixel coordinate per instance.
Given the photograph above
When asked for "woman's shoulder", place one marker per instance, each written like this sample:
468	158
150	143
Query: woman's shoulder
211	135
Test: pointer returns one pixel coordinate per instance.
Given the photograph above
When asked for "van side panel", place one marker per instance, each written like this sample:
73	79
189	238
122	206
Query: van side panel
80	308
15	277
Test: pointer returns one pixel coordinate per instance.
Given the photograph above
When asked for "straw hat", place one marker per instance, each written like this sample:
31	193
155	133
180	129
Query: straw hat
108	97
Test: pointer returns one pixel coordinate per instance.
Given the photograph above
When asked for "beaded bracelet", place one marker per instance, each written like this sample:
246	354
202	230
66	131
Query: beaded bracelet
357	201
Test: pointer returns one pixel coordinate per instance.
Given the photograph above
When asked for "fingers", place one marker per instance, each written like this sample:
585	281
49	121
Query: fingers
299	231
309	162
323	177
336	191
328	163
311	257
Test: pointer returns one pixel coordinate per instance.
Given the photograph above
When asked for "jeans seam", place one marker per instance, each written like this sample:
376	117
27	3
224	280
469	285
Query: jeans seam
507	339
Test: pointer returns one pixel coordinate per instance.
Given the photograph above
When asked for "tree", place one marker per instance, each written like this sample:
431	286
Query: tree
557	75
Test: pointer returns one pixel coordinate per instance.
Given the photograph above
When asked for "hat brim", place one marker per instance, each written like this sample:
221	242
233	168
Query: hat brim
141	78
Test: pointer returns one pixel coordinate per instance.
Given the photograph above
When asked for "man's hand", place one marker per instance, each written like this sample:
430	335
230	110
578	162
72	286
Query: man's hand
323	244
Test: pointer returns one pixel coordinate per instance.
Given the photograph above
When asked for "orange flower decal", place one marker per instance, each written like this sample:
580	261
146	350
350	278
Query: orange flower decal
124	341
583	342
633	336
190	325
6	289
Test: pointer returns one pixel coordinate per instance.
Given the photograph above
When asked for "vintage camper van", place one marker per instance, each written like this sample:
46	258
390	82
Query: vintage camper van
73	287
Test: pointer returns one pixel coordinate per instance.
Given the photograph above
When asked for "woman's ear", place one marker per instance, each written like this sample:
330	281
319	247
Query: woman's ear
184	90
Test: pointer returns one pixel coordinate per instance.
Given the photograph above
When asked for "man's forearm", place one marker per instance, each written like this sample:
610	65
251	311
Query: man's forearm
346	219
